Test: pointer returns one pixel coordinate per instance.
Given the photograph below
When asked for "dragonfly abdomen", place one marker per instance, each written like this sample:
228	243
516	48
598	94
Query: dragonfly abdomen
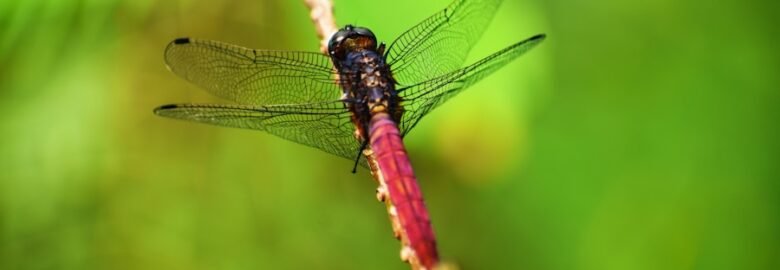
416	232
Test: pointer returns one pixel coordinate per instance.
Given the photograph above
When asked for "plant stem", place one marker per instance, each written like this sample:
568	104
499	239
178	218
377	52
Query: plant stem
325	23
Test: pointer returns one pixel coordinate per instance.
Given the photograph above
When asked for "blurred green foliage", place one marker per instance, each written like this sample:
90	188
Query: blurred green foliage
640	135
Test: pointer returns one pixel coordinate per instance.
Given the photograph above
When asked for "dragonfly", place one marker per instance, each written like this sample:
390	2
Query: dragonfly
362	94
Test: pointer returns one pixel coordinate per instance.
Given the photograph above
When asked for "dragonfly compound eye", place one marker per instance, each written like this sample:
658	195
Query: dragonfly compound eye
364	32
364	38
334	45
351	38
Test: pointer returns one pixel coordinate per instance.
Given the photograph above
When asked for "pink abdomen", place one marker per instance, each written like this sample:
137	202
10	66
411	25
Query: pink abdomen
402	188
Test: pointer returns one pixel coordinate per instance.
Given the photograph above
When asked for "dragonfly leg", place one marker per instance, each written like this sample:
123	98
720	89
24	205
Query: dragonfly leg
357	159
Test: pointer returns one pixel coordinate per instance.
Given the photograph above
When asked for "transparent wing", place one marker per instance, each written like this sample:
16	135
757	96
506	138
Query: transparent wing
326	126
421	98
440	44
253	77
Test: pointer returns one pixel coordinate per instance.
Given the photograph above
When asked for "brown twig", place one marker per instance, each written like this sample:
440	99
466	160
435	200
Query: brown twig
322	17
325	23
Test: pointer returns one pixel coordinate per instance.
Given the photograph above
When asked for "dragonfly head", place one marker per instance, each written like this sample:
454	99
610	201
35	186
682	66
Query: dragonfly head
351	38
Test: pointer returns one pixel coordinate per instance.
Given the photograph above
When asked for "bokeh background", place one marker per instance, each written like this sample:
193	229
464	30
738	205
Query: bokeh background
639	135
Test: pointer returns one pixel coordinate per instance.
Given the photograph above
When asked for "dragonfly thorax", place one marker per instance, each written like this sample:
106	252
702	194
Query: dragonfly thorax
364	75
366	79
367	84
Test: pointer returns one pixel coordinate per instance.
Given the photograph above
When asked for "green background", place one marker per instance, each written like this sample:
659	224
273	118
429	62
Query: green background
639	135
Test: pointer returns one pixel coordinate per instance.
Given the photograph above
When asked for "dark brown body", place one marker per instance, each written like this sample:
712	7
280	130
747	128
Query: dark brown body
369	86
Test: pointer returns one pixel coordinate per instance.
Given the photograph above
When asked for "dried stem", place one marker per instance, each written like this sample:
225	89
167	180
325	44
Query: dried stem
325	23
322	17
